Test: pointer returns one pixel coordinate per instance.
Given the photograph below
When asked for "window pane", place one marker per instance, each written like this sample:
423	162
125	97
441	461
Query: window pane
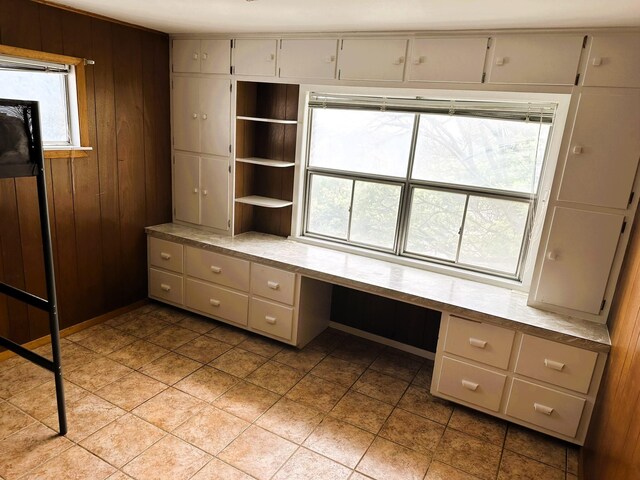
47	88
375	213
434	225
493	233
361	141
490	153
329	201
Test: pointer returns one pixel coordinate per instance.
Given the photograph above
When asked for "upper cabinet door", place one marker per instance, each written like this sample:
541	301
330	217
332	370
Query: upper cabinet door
312	58
578	259
215	56
186	188
255	57
535	59
214	192
372	59
186	56
614	61
215	115
603	153
186	114
447	59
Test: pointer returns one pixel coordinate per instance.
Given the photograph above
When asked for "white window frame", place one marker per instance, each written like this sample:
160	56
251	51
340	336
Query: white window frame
545	184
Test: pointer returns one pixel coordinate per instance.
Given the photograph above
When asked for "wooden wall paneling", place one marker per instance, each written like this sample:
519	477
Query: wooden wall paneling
51	28
19	24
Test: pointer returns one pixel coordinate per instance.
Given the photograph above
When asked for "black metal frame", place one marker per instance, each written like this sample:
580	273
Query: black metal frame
49	305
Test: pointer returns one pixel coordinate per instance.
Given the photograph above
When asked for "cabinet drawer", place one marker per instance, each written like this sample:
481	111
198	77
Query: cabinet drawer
471	384
273	283
217	268
270	318
164	254
479	341
545	407
165	286
556	363
447	59
218	302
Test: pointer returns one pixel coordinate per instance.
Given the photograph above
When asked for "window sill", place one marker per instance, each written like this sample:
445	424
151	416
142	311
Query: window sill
67	152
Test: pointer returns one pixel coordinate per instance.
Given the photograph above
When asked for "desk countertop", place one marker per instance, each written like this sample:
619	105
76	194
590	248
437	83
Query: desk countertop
474	300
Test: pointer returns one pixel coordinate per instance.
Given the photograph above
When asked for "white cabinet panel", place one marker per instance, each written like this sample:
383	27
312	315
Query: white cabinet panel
216	301
535	59
215	56
186	188
186	114
604	150
372	59
273	283
165	286
214	189
255	57
166	255
613	61
215	108
578	259
447	59
308	58
186	56
479	341
271	318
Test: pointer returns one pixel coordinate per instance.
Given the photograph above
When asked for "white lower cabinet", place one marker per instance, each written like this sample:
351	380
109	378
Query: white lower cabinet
217	301
542	384
271	318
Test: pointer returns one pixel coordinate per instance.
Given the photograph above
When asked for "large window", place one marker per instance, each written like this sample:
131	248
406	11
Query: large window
451	182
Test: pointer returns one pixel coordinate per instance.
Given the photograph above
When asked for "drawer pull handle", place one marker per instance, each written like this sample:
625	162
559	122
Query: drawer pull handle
470	385
165	256
273	285
476	342
538	407
215	269
165	287
270	320
553	364
214	303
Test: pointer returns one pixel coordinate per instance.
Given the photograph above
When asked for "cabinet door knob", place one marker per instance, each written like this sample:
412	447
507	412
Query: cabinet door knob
418	60
476	342
165	256
165	287
195	55
501	61
270	320
577	150
273	285
271	57
329	59
205	56
194	116
553	256
470	385
204	116
399	61
214	303
538	407
553	364
597	61
215	269
195	190
205	192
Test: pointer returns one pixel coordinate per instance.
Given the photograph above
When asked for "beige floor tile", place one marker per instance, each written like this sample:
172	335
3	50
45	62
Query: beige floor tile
412	431
442	471
479	425
167	314
11	362
381	387
357	350
261	346
131	390
258	452
207	383
276	377
169	409
247	401
358	476
86	416
28	448
317	393
107	341
571	476
74	463
41	402
537	446
572	459
239	362
339	441
203	349
121	441
291	420
119	476
303	360
172	337
218	470
469	454
197	323
12	420
170	458
339	371
142	326
87	332
211	429
388	461
122	319
228	334
514	466
307	465
95	375
420	401
138	354
73	355
424	375
362	411
327	341
397	366
170	368
21	378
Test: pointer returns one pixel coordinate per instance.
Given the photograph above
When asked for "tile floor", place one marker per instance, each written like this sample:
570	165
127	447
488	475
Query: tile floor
162	394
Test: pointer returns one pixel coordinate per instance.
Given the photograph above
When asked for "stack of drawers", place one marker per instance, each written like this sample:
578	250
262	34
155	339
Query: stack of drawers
544	385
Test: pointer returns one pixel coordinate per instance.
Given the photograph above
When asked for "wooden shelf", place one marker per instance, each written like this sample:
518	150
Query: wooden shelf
267	202
267	120
266	162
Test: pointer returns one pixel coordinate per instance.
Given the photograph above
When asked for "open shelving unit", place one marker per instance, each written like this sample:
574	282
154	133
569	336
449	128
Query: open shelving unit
266	129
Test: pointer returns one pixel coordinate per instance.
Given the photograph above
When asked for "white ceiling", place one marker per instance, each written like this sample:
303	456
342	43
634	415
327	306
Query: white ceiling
209	16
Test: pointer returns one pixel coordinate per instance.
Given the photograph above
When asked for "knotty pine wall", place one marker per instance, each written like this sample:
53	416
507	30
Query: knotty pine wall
99	205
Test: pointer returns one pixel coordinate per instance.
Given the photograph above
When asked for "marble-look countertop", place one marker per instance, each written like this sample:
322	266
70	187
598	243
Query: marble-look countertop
474	300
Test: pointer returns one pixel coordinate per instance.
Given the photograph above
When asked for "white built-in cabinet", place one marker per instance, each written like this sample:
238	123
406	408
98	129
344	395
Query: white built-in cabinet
613	61
308	58
447	59
201	56
380	59
255	56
